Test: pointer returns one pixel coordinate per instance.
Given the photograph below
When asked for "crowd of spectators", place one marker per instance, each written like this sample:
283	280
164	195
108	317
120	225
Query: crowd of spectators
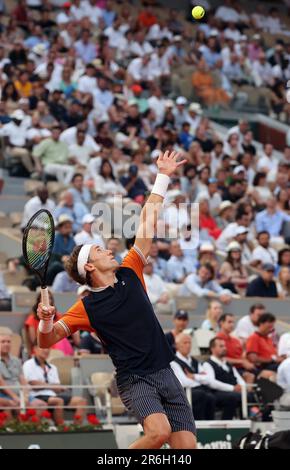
90	95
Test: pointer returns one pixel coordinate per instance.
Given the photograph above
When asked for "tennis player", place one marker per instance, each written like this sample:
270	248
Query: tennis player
119	311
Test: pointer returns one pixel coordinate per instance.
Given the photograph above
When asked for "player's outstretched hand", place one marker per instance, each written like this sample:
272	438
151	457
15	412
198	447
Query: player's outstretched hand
45	313
168	163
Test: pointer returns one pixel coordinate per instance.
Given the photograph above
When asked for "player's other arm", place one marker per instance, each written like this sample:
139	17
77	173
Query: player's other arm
167	165
48	333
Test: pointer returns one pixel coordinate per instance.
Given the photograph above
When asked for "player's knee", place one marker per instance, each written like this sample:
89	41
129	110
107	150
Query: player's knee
160	435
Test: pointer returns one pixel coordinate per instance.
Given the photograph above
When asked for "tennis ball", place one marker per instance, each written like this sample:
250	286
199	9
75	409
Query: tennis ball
198	12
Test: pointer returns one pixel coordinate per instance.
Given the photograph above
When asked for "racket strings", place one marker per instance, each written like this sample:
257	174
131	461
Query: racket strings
39	241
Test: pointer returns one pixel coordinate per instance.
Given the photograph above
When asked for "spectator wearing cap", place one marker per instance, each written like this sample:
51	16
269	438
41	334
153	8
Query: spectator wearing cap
248	324
191	375
88	235
134	185
78	190
260	348
263	253
15	133
74	210
51	157
271	220
180	322
230	231
194	117
202	284
233	275
64	242
141	102
213	312
242	237
206	254
40	201
264	285
156	289
178	265
180	112
225	214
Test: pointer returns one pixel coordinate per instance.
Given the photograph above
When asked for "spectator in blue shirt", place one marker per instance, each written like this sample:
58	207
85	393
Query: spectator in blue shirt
75	210
109	14
271	219
78	190
135	186
178	265
64	242
185	137
85	49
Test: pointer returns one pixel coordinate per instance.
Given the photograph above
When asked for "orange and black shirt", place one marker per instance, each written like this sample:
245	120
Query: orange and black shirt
124	320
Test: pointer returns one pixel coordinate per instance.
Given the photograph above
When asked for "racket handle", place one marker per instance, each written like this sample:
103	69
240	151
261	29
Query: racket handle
45	296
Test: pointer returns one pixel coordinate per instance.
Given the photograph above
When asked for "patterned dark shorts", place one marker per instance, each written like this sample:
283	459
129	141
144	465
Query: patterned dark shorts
159	392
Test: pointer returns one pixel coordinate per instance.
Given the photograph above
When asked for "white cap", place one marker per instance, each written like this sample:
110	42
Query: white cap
234	246
239	169
206	246
240	230
181	100
214	32
63	218
195	107
88	219
177	38
18	114
39	49
224	205
203	196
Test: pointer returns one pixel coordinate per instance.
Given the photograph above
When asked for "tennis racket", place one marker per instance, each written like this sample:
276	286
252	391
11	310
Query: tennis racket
37	245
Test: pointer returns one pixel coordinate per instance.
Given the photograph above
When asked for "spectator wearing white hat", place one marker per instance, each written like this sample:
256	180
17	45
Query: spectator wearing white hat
15	134
194	116
225	214
230	231
88	235
180	112
233	275
242	237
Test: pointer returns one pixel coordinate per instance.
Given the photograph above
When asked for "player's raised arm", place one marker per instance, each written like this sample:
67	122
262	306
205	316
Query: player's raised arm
48	333
167	164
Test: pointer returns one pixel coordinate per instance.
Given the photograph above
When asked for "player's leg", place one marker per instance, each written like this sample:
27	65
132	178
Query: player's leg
157	431
182	440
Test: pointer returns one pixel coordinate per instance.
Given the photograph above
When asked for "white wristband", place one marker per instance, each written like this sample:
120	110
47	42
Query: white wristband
46	326
161	185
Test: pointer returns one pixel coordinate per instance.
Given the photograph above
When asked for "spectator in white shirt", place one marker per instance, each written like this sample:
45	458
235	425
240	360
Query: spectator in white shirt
157	103
141	69
140	46
37	371
262	72
88	82
191	375
267	162
40	201
263	253
284	345
223	379
156	290
69	136
88	234
283	379
227	13
248	324
14	134
92	11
